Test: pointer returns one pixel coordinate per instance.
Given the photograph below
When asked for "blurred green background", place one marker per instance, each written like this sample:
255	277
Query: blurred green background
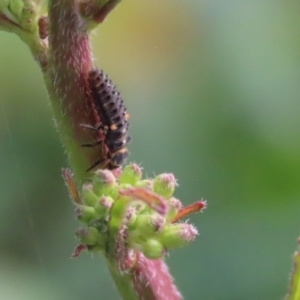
212	88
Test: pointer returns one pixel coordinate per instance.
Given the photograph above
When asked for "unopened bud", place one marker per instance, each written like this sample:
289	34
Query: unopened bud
146	184
174	205
147	224
29	16
104	183
89	197
131	217
88	236
103	205
177	235
164	185
153	249
131	174
85	213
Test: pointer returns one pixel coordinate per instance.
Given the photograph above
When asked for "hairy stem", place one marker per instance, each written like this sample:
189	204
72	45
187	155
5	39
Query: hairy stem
123	282
66	78
152	281
147	280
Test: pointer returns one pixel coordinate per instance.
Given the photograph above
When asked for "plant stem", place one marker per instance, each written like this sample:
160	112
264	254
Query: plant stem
122	282
69	63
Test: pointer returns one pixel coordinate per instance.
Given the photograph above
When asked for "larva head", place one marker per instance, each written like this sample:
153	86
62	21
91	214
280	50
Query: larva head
118	158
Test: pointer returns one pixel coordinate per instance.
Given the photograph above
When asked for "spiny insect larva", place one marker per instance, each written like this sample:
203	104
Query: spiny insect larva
114	120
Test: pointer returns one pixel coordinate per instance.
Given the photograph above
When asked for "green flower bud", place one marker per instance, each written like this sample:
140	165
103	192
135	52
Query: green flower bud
164	185
85	213
16	7
153	249
148	224
174	205
29	16
177	235
89	197
104	183
23	16
131	174
89	236
125	213
146	184
103	205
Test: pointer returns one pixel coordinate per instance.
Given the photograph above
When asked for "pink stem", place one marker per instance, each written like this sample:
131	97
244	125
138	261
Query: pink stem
152	281
69	63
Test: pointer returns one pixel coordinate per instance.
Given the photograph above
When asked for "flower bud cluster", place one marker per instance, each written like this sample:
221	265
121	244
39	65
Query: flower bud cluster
21	13
146	207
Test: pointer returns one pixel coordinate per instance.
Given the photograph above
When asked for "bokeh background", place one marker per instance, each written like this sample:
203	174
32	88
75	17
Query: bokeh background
212	88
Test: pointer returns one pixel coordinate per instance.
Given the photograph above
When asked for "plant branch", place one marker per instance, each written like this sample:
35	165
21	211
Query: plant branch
69	63
95	11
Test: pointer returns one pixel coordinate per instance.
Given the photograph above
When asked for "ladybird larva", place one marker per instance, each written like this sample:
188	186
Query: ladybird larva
114	120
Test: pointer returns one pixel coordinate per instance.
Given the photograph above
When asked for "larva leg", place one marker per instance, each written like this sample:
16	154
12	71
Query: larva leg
91	145
94	128
96	163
